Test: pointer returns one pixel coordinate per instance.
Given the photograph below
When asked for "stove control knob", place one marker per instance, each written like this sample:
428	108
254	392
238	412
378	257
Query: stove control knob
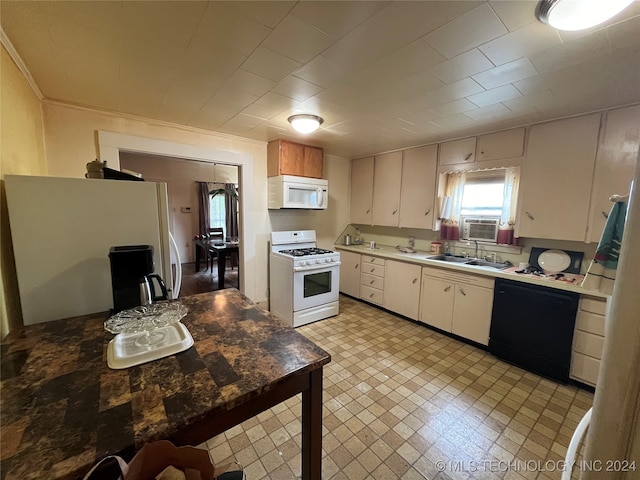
329	260
303	262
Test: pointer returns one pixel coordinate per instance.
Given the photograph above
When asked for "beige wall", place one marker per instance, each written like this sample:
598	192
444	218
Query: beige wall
22	152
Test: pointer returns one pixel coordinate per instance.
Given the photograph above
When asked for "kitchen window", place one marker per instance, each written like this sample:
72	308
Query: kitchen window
483	194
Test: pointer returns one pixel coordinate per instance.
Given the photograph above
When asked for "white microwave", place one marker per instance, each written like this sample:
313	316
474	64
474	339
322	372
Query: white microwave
288	191
484	229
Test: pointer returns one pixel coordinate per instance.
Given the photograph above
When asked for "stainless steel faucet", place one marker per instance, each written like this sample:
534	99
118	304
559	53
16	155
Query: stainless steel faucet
476	247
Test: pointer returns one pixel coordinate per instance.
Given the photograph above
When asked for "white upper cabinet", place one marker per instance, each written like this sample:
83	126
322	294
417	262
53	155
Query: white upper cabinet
499	145
615	164
387	178
557	175
361	207
458	151
417	195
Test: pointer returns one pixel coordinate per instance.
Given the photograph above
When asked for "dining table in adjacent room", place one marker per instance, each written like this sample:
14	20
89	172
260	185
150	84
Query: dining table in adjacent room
63	408
223	250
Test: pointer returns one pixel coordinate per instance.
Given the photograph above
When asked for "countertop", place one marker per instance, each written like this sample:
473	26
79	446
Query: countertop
63	408
420	258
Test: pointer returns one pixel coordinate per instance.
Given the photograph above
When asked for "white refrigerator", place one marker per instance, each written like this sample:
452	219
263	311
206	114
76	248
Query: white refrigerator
62	230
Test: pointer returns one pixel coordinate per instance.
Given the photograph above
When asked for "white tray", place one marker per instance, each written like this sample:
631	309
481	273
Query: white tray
123	352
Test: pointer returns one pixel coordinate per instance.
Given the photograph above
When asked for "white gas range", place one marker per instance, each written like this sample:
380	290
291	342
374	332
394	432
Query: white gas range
304	280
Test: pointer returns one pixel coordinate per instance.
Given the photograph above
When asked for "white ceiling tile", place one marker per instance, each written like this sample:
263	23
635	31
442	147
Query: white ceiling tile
533	38
269	64
566	54
453	10
460	89
538	101
171	22
398	24
515	14
260	111
625	34
506	73
321	71
250	82
452	121
266	13
336	19
457	106
296	88
297	40
494	95
416	57
181	102
276	102
496	110
468	31
464	65
223	27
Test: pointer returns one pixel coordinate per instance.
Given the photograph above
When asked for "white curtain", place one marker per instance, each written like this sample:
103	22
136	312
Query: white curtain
452	205
509	207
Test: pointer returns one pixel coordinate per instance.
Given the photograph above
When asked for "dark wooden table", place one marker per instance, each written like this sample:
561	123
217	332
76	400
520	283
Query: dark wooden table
63	408
222	249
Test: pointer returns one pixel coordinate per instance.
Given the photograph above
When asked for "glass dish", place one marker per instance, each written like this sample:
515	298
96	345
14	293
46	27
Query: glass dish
147	319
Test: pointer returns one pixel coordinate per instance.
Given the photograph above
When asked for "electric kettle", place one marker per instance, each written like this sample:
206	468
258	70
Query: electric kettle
148	289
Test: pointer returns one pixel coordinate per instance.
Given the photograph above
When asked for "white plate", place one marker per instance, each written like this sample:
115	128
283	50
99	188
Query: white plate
554	261
123	352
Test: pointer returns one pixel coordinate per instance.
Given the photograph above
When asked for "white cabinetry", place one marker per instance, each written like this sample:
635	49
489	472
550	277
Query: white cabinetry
588	340
457	302
372	279
350	273
458	151
615	164
556	180
417	194
402	289
499	145
361	190
387	178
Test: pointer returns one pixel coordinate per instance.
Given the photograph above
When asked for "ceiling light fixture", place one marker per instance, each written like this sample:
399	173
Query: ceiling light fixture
578	14
305	123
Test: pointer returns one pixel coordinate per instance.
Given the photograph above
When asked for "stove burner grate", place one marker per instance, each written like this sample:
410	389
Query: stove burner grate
302	252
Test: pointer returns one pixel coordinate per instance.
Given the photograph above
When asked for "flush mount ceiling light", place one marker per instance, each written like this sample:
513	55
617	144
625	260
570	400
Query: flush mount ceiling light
305	123
578	14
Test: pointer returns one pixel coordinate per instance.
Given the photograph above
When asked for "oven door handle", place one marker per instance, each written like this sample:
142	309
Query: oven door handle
322	266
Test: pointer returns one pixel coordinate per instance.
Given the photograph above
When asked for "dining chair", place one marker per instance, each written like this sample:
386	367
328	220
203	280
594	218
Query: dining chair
216	234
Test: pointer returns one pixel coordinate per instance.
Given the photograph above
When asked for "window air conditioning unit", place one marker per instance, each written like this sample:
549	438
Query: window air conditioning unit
482	229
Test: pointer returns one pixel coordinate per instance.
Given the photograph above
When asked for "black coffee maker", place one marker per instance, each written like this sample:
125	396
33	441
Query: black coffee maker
132	278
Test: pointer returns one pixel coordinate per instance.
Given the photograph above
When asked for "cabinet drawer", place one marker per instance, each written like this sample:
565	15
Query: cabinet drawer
584	368
373	269
588	344
458	277
372	281
590	322
372	295
593	305
374	260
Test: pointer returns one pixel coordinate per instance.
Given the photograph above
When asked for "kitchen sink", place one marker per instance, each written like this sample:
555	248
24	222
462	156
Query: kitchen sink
474	262
448	258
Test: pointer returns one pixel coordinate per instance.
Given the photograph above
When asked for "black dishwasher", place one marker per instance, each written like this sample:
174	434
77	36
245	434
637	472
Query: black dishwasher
532	327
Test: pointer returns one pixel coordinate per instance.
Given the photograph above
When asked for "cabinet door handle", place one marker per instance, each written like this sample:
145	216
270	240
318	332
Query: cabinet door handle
462	292
427	212
371	295
368	210
371	282
448	288
530	216
373	269
414	281
394	212
605	214
468	156
356	267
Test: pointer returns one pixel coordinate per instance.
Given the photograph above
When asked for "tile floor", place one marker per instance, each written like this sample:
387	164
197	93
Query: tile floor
399	398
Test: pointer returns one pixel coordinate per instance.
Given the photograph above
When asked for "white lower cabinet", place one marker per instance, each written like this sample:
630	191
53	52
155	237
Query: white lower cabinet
458	303
402	289
588	340
350	273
